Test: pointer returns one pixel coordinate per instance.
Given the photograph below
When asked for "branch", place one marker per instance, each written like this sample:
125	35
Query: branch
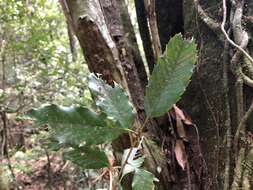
228	38
248	19
111	180
238	170
248	81
68	15
211	23
242	124
150	6
235	68
241	37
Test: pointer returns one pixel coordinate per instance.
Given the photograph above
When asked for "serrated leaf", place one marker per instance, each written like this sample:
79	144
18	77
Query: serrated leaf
133	163
78	125
170	76
143	180
87	158
113	101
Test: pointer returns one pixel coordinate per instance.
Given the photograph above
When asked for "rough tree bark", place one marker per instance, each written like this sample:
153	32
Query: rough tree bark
111	56
144	32
213	98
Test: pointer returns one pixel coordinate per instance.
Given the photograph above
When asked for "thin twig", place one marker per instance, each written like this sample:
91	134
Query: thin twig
131	149
143	125
124	164
49	170
127	157
99	177
111	180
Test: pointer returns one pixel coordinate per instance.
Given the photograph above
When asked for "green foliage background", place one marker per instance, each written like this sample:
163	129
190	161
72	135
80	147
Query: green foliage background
37	64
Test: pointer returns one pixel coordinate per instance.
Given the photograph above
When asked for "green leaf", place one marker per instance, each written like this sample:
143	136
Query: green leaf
170	76
143	180
78	125
113	101
133	163
87	158
53	145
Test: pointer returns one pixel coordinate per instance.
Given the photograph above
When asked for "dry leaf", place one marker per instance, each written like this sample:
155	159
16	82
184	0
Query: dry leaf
180	129
188	120
179	124
180	153
182	115
179	112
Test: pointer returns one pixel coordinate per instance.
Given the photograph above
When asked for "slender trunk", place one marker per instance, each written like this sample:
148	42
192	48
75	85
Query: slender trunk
132	42
72	43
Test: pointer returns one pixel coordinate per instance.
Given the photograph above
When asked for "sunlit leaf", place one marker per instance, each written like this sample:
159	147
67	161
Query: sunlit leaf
170	76
113	101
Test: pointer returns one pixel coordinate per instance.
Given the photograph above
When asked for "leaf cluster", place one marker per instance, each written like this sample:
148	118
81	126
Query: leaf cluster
81	129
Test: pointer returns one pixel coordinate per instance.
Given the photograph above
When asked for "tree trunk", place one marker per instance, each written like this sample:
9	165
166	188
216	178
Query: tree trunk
211	98
216	98
111	56
144	32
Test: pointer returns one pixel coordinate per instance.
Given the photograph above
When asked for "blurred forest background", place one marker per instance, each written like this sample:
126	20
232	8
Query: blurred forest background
41	62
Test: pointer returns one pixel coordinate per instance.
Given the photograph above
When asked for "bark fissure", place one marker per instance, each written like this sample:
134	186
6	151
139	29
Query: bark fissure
144	33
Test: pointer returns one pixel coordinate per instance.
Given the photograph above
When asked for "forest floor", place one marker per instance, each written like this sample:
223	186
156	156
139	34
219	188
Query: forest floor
34	174
33	168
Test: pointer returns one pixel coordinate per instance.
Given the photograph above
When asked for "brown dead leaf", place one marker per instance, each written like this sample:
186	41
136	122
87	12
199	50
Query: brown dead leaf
180	129
188	120
179	113
182	115
179	116
180	154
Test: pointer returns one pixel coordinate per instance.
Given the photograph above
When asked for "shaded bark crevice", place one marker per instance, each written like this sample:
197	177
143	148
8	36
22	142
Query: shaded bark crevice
132	42
145	33
170	19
